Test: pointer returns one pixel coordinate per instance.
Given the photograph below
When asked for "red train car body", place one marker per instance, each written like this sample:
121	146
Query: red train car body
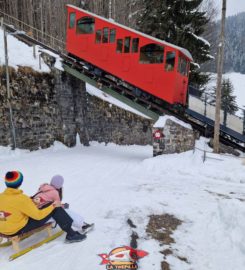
155	66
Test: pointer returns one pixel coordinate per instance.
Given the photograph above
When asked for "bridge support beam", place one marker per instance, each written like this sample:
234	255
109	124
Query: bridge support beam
112	93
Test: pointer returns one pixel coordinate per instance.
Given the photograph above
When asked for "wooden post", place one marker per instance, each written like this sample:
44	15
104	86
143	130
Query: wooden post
40	62
34	52
49	230
1	22
219	79
15	243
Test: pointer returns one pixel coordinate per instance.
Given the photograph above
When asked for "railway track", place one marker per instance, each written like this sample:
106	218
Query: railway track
150	102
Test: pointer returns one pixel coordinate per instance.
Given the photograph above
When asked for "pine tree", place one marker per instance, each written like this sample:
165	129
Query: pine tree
179	22
228	100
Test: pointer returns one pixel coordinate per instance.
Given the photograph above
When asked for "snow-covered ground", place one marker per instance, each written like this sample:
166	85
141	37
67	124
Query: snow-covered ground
109	184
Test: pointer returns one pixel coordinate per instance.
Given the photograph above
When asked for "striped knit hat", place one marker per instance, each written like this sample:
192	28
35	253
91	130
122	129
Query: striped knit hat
13	179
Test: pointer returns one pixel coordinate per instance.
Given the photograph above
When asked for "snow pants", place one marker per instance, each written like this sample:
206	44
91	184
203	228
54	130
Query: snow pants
58	214
78	220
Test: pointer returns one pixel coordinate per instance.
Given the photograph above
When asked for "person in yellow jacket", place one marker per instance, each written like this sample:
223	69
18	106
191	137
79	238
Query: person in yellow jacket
18	213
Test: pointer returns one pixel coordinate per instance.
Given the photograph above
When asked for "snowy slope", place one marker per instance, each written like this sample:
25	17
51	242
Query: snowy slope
20	54
109	184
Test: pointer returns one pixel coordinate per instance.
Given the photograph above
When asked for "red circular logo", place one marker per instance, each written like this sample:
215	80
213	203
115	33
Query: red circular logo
158	134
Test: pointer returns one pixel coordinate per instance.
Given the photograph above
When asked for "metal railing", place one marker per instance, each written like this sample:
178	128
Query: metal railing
204	103
37	34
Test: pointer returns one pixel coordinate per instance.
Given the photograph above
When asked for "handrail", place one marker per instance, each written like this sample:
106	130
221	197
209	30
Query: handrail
34	32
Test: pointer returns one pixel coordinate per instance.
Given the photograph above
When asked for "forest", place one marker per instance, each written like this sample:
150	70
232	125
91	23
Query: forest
234	58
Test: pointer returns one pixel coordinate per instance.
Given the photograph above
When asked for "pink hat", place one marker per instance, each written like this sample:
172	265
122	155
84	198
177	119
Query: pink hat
57	181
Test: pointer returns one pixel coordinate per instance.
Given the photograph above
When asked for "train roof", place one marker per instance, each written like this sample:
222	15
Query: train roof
184	51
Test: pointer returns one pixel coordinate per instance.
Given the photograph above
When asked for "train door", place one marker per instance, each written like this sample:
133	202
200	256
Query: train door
183	70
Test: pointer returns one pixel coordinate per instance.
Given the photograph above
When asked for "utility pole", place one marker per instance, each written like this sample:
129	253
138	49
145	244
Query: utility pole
11	122
219	79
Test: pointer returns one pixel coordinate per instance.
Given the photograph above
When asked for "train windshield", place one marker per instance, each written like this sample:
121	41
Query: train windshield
85	25
151	54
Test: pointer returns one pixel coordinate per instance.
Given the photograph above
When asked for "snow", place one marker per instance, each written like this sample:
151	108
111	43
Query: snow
201	39
58	60
20	54
109	184
160	123
196	65
94	91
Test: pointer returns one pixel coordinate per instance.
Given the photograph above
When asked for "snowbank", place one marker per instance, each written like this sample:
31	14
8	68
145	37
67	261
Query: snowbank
160	123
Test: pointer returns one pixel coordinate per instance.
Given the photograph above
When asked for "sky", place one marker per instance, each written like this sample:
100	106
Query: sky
233	6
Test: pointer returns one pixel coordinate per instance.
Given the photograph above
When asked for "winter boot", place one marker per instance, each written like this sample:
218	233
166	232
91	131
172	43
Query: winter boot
75	237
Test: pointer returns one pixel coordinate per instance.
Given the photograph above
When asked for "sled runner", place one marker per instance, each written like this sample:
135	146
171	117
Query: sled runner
14	240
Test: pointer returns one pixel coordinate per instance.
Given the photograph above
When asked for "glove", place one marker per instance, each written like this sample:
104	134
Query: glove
66	205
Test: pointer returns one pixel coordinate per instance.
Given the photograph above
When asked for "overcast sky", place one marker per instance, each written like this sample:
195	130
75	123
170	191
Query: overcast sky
233	6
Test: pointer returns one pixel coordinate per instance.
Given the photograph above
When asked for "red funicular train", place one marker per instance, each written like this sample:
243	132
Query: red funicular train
155	66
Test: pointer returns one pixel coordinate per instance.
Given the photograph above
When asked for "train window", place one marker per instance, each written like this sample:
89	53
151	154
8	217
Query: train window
119	45
112	35
135	45
105	38
127	44
151	54
72	20
98	36
85	25
182	66
170	61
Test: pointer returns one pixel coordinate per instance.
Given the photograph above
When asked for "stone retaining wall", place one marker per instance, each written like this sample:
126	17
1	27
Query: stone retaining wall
55	106
172	138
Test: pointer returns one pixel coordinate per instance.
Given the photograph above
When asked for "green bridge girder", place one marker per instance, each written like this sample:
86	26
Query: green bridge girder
112	93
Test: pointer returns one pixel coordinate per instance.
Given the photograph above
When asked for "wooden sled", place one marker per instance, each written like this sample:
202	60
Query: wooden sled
15	240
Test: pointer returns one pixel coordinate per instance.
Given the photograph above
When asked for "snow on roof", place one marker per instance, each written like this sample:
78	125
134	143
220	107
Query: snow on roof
184	51
160	123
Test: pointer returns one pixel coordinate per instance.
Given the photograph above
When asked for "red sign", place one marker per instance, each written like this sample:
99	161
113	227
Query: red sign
158	134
